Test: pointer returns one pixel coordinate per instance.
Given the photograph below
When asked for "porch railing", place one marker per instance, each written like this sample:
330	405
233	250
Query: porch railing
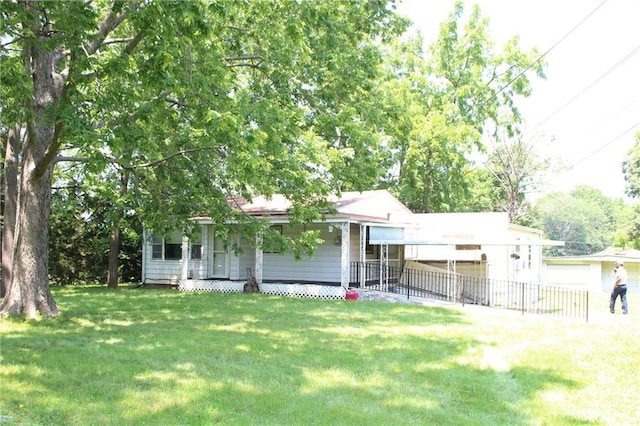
457	288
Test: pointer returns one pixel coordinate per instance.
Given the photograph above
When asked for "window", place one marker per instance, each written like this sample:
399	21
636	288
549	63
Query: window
196	251
157	241
369	249
196	244
173	246
169	247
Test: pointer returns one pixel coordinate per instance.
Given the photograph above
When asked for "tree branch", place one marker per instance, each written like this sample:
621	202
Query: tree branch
113	160
108	24
175	102
134	42
117	40
130	117
251	61
178	154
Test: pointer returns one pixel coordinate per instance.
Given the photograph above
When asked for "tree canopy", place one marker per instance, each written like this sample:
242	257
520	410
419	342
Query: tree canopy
194	102
586	219
441	102
166	110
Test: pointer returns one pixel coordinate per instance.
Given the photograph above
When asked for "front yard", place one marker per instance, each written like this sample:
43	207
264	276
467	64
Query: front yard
164	357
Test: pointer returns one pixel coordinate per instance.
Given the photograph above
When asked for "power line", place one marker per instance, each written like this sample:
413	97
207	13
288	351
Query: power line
521	73
556	44
616	113
590	86
594	152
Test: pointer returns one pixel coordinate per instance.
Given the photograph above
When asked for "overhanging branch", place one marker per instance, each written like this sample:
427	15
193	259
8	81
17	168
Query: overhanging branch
108	24
251	61
156	163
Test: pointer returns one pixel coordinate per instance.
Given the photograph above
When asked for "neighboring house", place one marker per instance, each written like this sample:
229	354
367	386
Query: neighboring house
205	262
482	245
592	272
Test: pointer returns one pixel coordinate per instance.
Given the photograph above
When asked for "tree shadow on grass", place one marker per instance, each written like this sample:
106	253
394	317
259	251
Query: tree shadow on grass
154	358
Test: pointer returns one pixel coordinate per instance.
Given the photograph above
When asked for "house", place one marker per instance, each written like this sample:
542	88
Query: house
205	263
592	272
368	234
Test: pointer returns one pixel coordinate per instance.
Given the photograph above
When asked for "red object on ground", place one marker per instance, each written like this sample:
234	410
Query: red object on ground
351	295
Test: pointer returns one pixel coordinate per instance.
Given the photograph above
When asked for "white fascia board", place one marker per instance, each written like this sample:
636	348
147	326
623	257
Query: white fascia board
468	242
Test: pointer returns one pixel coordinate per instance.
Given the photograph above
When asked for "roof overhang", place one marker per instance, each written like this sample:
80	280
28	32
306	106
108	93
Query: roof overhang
452	242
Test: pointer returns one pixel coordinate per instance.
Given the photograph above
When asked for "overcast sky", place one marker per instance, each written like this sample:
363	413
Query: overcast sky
588	108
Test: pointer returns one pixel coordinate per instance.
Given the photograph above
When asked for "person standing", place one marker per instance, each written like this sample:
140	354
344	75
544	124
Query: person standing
619	288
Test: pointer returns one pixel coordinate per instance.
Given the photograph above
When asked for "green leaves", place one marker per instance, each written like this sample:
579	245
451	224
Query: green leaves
587	220
440	103
631	169
200	101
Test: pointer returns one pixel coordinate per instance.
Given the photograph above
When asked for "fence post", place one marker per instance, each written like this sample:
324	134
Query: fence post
523	284
586	295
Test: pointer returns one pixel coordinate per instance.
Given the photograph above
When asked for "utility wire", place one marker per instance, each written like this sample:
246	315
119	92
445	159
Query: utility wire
615	114
594	152
620	62
590	86
528	67
521	73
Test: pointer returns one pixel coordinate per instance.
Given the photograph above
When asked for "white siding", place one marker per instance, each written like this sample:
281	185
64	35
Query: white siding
577	274
168	271
589	274
633	271
322	266
246	260
159	271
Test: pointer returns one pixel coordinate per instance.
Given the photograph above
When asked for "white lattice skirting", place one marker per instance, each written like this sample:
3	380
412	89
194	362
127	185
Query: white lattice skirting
211	286
293	290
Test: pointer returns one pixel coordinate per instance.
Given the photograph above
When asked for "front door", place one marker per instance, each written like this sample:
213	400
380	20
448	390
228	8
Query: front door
218	258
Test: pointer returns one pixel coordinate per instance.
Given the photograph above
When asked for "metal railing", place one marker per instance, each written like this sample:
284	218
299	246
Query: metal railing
457	288
375	276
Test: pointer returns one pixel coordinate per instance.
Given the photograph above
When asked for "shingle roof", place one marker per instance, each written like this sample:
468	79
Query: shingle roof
373	206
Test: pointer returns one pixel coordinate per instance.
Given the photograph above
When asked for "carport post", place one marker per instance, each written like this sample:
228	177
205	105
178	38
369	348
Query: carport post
363	255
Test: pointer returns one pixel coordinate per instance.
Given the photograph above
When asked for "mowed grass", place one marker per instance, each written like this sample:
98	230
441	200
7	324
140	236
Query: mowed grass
157	357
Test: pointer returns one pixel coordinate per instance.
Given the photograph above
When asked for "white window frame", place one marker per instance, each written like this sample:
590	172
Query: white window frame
195	247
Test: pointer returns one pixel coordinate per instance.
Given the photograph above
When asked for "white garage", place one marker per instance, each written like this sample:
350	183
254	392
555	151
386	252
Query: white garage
593	272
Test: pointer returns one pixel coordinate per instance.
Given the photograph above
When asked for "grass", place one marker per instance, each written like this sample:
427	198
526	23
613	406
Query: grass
154	357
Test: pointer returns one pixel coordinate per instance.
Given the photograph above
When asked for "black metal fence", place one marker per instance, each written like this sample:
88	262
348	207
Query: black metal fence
465	289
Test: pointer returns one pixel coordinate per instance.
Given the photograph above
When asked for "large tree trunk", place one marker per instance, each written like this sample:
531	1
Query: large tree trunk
10	192
28	291
114	242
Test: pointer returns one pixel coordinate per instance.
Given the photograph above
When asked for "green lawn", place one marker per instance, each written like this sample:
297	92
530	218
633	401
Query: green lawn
161	357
